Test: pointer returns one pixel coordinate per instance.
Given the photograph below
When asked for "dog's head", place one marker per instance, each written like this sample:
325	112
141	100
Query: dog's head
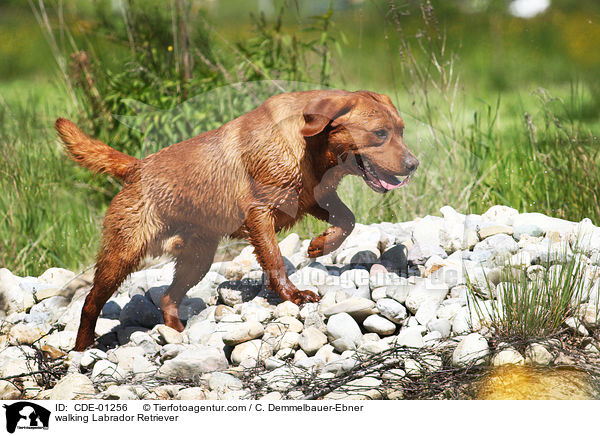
364	130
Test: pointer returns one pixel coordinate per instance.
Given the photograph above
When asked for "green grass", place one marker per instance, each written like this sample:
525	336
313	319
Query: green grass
483	135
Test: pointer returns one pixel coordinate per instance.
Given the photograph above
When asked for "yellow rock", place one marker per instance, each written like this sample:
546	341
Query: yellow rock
512	382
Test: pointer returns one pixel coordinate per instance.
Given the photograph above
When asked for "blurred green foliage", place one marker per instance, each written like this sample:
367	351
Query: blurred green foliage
499	109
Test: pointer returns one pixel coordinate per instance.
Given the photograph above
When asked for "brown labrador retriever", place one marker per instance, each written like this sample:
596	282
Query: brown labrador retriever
248	179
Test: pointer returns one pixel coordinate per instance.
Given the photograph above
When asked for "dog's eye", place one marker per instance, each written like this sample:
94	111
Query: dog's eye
381	134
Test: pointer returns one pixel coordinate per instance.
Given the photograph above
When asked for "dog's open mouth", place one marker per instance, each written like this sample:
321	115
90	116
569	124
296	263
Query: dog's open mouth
377	179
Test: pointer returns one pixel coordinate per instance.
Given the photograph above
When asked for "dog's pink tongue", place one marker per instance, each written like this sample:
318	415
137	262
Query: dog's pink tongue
390	186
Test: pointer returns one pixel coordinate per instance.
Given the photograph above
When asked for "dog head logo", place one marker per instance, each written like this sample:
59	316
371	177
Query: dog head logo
26	415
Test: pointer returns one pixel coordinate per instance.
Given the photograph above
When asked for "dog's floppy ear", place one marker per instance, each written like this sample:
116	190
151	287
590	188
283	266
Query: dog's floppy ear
319	112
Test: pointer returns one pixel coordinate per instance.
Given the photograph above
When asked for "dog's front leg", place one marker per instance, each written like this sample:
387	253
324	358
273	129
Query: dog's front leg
335	212
260	225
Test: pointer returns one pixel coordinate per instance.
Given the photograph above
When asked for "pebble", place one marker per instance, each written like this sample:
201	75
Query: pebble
392	310
72	387
312	340
380	325
242	332
369	303
255	349
193	361
358	308
343	326
508	356
473	349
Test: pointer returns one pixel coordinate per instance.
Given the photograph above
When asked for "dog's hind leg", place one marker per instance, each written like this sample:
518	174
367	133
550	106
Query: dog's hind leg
194	257
127	232
115	263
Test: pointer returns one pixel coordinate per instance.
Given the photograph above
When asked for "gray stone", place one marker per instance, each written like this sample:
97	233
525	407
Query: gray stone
111	310
140	311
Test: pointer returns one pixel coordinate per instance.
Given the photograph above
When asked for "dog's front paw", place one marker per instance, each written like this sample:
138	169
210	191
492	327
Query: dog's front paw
323	244
315	249
302	297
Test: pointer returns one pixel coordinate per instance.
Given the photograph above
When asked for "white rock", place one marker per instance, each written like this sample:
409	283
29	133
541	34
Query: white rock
546	223
391	309
380	325
90	357
500	214
106	371
242	332
537	354
253	311
8	391
508	356
473	349
194	393
289	245
288	340
11	294
193	361
311	340
220	381
255	349
442	326
287	308
427	311
411	337
342	325
364	388
357	276
72	387
358	308
168	335
425	290
495	229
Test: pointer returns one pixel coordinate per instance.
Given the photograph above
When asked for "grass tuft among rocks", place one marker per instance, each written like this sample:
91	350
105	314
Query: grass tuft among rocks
538	302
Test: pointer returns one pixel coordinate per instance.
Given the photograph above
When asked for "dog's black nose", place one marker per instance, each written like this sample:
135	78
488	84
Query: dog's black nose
411	163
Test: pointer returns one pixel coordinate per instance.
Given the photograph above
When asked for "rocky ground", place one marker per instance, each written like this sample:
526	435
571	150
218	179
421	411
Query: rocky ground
393	310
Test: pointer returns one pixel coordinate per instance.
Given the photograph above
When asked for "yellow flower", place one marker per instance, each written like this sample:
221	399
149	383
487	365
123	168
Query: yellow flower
170	48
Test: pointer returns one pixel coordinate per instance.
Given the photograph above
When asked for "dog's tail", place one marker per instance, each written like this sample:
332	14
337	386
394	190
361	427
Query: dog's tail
93	154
